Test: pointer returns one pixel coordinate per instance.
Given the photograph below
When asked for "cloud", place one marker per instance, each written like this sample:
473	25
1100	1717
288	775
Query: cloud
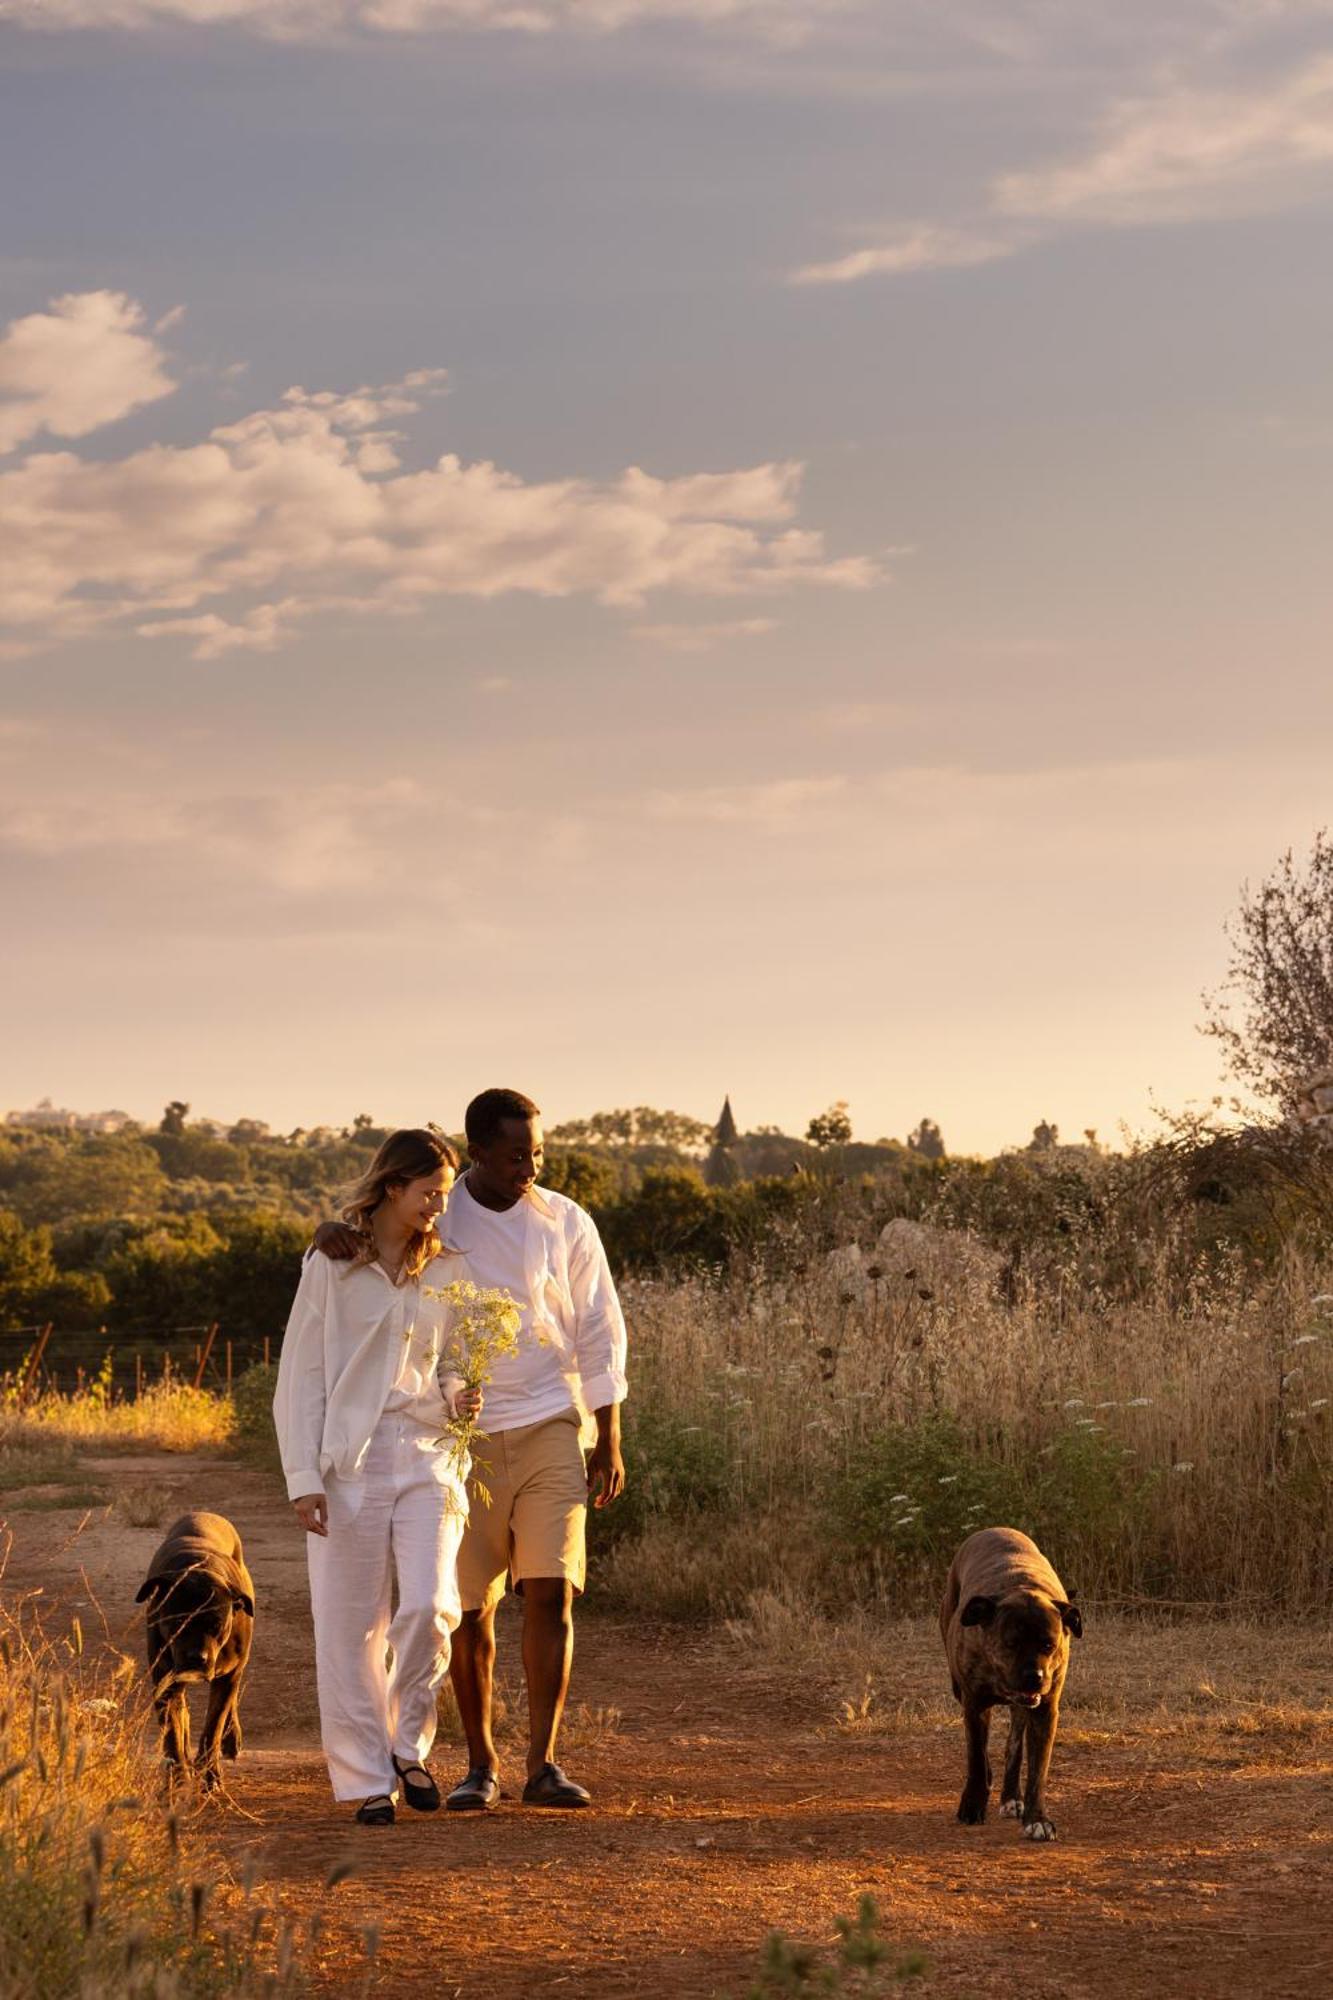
1189	153
918	246
1213	134
770	806
297	511
82	363
702	638
303	842
786	20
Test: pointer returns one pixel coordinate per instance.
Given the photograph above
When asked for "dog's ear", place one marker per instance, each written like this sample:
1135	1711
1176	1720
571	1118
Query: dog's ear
150	1587
243	1601
1071	1618
977	1611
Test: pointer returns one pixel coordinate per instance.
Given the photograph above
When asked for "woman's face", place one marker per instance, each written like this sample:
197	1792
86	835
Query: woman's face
415	1204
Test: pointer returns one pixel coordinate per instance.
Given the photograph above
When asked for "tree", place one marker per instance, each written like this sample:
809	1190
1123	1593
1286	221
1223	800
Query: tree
1045	1137
1273	1014
830	1128
173	1118
927	1140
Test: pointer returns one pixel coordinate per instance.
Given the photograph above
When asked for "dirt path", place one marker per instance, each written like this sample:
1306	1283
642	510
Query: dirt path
1194	1859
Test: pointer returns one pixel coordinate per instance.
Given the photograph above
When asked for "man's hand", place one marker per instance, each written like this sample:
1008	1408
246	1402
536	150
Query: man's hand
337	1240
606	1468
312	1511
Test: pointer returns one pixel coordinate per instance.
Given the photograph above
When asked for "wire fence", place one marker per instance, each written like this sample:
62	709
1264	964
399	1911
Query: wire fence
36	1359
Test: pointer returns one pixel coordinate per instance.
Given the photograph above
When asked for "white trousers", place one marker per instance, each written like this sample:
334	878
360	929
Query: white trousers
377	1676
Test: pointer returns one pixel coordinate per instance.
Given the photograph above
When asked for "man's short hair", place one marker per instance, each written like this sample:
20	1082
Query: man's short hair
485	1115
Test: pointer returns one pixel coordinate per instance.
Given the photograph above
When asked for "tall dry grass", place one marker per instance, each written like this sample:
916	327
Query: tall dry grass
169	1416
105	1893
844	1428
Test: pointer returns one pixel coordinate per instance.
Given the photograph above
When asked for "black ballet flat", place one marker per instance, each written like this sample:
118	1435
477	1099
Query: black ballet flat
422	1798
376	1811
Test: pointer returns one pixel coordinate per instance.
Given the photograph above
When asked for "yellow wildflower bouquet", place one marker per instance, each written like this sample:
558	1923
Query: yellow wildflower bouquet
484	1327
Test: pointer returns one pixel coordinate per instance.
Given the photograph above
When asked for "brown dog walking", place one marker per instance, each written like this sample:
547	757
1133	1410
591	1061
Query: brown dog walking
201	1614
1007	1621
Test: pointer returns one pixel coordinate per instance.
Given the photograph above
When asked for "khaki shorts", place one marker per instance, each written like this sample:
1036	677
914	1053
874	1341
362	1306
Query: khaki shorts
536	1522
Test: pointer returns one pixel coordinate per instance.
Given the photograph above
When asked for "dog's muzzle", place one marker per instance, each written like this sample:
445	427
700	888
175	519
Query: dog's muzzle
1029	1698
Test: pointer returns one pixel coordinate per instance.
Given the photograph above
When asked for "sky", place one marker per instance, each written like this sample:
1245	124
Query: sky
642	549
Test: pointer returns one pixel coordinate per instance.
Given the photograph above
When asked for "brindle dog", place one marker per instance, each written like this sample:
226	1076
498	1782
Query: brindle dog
1007	1621
201	1611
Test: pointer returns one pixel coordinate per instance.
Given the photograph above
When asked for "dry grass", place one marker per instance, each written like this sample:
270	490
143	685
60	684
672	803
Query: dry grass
106	1893
1212	1683
1174	1456
169	1416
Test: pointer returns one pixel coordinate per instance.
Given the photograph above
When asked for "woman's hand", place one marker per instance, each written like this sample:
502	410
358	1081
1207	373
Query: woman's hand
467	1403
312	1511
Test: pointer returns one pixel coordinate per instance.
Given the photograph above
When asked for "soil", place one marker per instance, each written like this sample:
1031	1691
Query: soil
1193	1860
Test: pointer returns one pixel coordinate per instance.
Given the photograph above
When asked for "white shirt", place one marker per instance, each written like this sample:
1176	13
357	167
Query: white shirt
357	1347
546	1253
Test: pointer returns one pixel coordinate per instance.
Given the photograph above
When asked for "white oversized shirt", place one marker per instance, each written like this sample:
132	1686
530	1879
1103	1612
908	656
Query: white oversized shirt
358	1347
546	1253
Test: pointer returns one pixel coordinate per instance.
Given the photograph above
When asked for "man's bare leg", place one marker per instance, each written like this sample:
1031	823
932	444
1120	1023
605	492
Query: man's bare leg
472	1671
548	1653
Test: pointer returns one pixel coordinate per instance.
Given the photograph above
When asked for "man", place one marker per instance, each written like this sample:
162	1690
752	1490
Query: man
543	1249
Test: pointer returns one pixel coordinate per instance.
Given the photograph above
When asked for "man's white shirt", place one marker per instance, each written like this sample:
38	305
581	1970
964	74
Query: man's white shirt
546	1253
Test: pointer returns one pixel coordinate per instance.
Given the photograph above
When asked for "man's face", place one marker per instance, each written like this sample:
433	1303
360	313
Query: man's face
512	1161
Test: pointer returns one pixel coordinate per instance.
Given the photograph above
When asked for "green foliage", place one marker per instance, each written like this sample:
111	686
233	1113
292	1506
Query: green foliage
680	1472
252	1409
863	1961
592	1181
830	1128
33	1288
912	1492
48	1177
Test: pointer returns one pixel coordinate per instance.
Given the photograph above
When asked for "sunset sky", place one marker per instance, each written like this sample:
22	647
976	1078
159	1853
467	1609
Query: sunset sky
647	548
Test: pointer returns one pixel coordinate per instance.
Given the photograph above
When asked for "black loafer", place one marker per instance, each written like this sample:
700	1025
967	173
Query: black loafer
377	1811
422	1798
478	1792
551	1787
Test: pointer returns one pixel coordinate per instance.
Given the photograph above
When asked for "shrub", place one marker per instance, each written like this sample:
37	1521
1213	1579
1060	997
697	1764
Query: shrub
252	1410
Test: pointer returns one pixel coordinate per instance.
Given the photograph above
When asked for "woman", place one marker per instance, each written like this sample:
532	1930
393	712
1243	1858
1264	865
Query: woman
361	1411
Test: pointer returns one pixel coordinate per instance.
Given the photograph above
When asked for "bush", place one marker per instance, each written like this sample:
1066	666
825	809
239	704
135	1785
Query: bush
252	1410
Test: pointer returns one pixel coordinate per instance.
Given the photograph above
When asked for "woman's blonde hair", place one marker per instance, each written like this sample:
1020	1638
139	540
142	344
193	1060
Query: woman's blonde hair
410	1155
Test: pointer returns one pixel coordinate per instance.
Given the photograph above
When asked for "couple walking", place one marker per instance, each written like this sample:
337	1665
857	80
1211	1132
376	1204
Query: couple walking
361	1408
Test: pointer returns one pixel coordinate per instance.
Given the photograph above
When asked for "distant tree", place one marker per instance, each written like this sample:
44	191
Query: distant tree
1045	1138
1274	1012
830	1128
33	1288
640	1125
363	1122
246	1131
587	1178
173	1118
62	1180
927	1140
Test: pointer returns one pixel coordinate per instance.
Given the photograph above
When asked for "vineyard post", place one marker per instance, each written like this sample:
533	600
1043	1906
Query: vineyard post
202	1354
34	1363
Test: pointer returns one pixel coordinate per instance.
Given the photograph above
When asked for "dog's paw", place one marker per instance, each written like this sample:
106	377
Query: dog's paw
1011	1809
1039	1829
972	1812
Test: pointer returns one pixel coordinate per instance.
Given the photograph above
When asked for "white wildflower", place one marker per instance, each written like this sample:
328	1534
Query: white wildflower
1113	1405
1185	1465
1319	1403
947	1479
1305	1340
896	1498
1073	1402
1138	1402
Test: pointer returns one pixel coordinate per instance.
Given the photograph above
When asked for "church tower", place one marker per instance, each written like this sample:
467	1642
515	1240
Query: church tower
721	1168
